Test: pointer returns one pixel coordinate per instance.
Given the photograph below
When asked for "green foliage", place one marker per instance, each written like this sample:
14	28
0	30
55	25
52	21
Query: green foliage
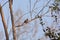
55	8
52	35
57	0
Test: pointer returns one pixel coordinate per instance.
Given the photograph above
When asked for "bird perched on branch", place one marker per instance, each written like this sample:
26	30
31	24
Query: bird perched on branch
26	21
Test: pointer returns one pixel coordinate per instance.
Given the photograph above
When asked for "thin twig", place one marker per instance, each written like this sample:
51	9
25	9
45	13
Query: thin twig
31	20
21	17
30	9
35	4
43	7
5	3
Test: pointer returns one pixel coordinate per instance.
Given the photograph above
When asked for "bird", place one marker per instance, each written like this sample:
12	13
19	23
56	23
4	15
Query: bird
26	21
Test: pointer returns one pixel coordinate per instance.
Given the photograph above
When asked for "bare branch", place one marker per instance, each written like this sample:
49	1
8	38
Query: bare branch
35	4
43	7
21	17
5	3
30	9
12	20
4	23
32	19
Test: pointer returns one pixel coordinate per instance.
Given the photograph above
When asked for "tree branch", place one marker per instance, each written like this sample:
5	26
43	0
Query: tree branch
4	23
12	20
32	19
43	7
